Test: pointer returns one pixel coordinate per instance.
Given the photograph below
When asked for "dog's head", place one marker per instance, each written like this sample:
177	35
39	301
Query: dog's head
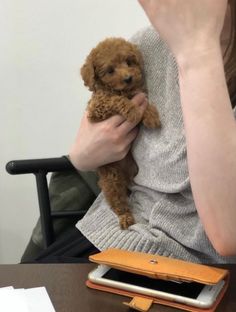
115	64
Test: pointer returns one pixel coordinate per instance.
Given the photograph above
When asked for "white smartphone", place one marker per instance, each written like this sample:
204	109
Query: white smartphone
191	293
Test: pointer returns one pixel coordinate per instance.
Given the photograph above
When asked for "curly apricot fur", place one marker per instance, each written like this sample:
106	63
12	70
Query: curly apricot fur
113	71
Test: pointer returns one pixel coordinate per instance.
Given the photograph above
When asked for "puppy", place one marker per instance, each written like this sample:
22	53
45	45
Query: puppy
113	71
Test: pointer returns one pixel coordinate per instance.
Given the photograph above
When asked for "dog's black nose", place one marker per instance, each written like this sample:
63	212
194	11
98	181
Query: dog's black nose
128	79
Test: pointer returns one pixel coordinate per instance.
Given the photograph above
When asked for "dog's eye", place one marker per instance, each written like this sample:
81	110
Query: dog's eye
110	70
129	61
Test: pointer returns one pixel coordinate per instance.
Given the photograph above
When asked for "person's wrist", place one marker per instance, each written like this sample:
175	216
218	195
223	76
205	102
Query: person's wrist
196	58
77	161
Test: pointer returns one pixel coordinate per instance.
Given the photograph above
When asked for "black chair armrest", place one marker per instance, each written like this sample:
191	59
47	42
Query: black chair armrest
40	168
38	165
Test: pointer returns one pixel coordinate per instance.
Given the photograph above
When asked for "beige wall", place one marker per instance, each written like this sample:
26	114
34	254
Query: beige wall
43	44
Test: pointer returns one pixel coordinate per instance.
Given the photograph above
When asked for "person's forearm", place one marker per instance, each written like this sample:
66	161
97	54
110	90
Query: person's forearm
210	131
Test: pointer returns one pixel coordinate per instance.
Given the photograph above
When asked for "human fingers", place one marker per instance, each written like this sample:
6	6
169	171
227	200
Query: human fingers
131	136
129	140
197	24
140	100
121	149
116	120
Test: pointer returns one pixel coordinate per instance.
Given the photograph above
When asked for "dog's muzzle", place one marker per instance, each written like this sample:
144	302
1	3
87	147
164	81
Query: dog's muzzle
128	79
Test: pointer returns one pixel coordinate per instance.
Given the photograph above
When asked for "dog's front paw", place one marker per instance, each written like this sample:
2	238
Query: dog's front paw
126	220
132	114
151	118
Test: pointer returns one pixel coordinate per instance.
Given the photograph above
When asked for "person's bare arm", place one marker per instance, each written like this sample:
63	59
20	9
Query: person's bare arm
211	146
192	30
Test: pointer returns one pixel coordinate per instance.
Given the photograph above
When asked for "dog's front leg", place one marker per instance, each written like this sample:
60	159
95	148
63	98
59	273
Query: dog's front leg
151	117
114	185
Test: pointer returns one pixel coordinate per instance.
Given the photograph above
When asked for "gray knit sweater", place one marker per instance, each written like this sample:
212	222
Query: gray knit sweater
167	222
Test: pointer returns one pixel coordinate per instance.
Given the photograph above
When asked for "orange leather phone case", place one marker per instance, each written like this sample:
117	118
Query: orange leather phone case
158	267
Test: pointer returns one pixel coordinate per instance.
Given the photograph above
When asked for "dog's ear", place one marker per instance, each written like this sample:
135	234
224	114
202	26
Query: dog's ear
88	74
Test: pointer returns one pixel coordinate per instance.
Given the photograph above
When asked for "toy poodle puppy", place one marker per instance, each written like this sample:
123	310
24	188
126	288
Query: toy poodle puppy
113	71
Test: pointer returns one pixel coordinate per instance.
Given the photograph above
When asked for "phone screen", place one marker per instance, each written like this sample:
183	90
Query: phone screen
191	290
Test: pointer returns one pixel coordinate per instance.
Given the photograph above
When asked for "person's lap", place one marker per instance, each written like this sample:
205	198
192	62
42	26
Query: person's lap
71	247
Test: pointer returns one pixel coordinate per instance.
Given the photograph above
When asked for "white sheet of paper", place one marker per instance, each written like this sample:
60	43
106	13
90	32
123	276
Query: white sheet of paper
12	301
38	300
6	288
25	300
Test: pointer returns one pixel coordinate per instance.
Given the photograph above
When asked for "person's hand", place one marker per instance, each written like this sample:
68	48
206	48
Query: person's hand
187	26
100	143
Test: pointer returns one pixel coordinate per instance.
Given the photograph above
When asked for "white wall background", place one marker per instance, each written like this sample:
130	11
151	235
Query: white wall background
42	46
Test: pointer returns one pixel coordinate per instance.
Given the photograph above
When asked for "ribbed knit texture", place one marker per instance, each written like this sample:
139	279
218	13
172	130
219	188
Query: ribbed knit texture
167	222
